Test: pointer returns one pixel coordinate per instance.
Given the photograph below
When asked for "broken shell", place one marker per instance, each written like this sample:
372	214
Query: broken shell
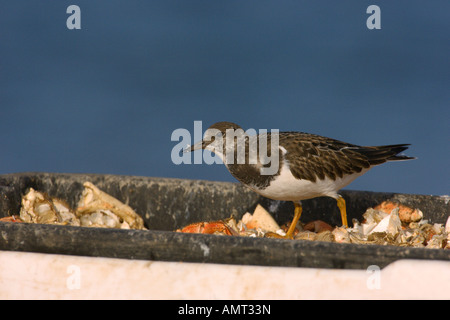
246	218
326	236
37	208
390	224
97	209
64	213
103	219
357	227
438	228
274	235
395	225
358	238
260	219
372	219
438	241
12	218
215	227
380	238
305	235
405	213
373	216
381	227
94	200
378	227
232	226
341	235
317	226
192	228
254	233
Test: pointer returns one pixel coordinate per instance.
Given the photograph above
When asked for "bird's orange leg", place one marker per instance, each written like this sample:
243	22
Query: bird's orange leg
297	213
342	207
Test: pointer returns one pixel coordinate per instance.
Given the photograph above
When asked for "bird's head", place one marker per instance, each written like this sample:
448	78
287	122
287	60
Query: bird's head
214	137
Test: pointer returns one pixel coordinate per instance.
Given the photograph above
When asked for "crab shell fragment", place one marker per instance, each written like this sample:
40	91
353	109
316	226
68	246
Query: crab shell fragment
12	218
260	219
38	207
258	224
214	227
95	209
389	223
405	213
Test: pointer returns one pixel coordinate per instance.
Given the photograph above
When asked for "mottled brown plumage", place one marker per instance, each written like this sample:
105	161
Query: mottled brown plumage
313	157
309	165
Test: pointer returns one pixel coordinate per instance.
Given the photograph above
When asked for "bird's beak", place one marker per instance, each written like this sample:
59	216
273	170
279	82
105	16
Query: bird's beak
197	146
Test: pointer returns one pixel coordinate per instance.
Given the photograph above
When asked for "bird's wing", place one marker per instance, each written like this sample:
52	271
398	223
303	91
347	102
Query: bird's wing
313	157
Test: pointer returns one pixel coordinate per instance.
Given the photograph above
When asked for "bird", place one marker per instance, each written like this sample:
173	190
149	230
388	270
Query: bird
306	165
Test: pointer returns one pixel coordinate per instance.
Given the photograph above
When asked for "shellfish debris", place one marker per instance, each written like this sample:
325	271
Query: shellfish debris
388	223
95	209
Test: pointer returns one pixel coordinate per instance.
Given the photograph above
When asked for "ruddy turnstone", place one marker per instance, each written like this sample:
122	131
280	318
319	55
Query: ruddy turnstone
308	165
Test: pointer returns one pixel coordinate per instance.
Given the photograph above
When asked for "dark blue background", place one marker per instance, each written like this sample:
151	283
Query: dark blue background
106	98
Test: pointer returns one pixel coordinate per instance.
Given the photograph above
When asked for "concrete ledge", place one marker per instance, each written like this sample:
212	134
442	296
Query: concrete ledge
50	276
167	204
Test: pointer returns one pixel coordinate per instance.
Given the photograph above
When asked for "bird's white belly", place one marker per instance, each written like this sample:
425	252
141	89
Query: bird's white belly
287	187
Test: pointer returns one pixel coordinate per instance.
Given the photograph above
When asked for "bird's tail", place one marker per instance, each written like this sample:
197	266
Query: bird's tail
380	154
